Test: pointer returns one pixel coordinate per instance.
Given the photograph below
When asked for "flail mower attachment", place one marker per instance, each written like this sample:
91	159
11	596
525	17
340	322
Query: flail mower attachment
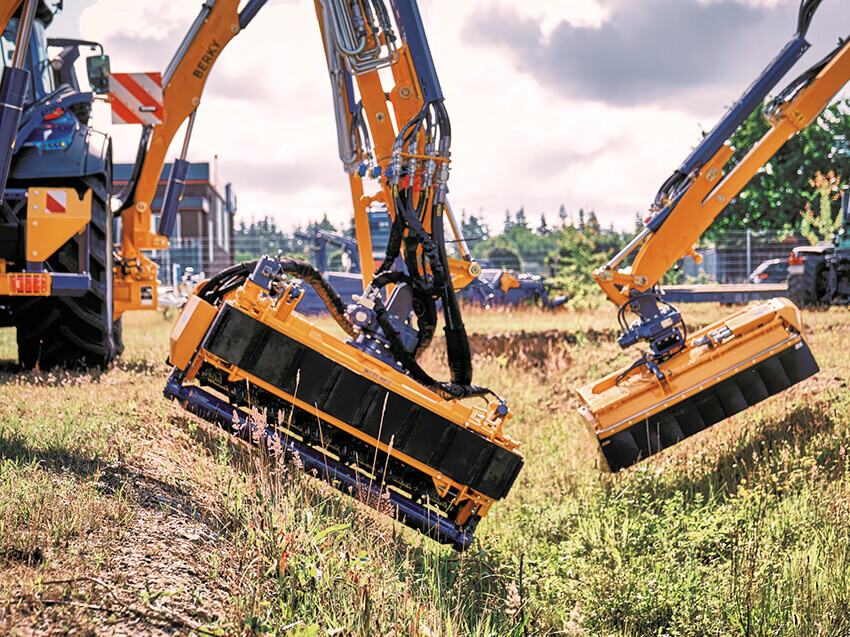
354	417
721	369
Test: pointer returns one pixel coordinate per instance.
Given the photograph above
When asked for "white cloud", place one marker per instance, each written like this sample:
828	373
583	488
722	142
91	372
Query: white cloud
516	142
149	20
751	3
550	13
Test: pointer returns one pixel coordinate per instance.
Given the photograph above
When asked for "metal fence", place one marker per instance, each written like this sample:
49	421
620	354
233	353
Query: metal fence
739	254
184	256
729	262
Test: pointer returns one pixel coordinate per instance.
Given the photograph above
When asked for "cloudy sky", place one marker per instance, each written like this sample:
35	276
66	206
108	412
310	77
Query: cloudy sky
586	103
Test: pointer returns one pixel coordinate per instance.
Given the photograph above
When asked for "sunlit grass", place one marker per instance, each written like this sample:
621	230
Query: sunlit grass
741	529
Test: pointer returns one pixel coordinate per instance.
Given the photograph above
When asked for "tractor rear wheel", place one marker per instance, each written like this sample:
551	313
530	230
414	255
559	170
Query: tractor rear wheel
75	332
808	288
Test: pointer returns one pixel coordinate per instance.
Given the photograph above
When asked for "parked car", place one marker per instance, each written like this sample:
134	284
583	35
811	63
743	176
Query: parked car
770	271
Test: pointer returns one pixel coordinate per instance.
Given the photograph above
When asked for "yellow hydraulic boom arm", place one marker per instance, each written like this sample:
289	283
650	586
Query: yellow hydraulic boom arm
383	112
183	83
709	191
685	383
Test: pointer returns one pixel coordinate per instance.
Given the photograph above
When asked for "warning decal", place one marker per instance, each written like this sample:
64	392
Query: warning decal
136	98
56	201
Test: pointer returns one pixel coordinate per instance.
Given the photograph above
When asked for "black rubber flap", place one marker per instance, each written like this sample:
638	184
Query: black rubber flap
710	406
452	450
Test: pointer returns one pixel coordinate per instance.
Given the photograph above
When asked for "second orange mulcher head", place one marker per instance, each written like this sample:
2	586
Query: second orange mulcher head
723	369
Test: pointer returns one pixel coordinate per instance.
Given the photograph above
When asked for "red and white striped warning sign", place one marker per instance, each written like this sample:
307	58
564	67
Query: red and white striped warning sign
136	98
56	201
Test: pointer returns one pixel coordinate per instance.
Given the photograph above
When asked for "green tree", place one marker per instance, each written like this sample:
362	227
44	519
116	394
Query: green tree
543	228
638	223
822	225
473	228
263	236
579	252
324	224
777	193
593	223
508	222
519	240
520	219
504	258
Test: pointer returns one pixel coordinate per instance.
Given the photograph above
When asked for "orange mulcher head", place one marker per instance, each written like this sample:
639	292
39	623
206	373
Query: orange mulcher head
722	369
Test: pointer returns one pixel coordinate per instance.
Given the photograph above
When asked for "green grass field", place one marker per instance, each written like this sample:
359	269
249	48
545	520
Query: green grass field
120	514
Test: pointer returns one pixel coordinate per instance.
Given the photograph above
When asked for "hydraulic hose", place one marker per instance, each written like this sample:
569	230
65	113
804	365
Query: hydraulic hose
457	342
129	190
229	279
424	307
804	79
449	391
393	245
315	280
805	14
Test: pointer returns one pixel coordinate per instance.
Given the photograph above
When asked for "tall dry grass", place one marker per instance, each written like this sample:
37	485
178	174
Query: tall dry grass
740	530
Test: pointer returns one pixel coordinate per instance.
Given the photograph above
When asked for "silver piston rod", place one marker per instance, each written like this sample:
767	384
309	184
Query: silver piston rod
357	32
349	154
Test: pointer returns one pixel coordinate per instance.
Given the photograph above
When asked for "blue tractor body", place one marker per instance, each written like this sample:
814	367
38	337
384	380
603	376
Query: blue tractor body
56	275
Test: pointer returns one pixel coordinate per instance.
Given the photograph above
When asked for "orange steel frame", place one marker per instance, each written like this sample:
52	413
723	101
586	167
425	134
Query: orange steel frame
387	111
187	353
617	402
181	96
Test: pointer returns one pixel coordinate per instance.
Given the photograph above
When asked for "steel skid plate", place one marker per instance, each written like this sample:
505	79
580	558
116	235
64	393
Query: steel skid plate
330	401
724	369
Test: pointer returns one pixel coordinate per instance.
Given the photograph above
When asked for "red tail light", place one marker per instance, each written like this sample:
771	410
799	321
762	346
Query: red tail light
59	112
795	260
29	284
762	276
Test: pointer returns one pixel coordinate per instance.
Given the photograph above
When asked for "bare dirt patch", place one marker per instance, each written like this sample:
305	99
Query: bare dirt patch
527	350
164	572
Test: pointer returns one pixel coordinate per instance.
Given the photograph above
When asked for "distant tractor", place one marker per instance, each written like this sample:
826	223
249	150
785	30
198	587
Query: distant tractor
499	288
820	275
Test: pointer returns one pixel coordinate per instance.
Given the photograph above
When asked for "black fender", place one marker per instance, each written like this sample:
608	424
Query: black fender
88	153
